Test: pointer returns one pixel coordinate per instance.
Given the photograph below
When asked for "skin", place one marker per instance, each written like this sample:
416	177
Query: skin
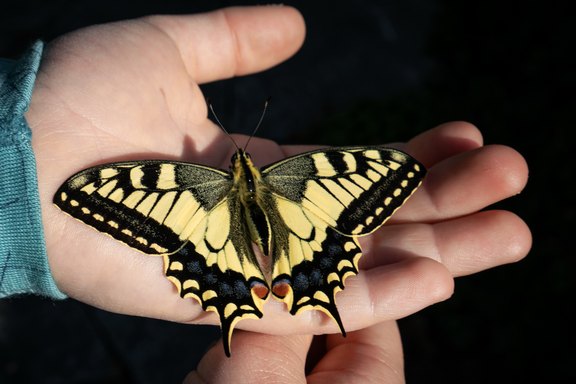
129	90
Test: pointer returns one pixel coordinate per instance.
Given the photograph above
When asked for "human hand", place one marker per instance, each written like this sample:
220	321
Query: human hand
130	91
441	223
369	355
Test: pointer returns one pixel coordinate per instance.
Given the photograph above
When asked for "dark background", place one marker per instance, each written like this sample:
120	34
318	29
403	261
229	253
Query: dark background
369	72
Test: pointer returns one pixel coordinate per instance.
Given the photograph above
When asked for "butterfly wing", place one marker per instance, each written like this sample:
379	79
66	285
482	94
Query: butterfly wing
184	212
317	204
324	200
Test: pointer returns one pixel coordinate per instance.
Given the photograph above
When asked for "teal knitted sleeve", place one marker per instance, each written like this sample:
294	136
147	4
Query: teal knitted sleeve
23	261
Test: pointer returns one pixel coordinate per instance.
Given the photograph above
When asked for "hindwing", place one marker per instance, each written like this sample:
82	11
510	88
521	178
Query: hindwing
217	266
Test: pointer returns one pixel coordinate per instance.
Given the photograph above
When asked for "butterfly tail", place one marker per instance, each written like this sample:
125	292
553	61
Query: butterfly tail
227	293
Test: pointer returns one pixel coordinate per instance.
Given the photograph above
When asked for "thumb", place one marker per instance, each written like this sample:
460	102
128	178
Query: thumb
234	41
256	358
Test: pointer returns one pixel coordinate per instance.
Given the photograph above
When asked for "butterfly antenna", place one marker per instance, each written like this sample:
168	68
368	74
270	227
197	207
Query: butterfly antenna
220	123
259	122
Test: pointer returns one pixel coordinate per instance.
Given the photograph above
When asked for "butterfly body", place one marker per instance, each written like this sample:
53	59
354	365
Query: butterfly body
304	213
250	190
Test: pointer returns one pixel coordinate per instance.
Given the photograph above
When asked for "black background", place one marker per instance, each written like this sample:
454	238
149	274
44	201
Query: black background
369	72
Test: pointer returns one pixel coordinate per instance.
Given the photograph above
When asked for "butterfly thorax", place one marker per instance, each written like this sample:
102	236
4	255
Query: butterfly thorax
248	184
246	177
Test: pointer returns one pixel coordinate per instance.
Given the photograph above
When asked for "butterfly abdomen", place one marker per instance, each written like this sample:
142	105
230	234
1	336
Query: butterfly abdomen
247	181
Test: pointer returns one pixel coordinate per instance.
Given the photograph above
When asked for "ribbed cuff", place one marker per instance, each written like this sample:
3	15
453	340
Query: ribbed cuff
24	265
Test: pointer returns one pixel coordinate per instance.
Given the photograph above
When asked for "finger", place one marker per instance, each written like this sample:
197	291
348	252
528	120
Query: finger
386	292
485	240
466	183
444	141
256	358
464	245
234	41
429	147
394	291
370	355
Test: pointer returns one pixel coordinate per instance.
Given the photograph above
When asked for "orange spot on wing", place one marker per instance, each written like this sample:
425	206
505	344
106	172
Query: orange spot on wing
281	289
260	290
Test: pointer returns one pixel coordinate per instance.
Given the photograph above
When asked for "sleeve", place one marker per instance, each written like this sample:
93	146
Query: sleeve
24	265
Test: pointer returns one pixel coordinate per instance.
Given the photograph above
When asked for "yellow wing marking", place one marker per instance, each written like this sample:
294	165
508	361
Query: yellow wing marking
167	177
307	232
372	154
217	232
117	196
207	295
197	219
176	266
358	230
159	249
323	166
147	204
361	181
379	167
107	188
319	295
107	173
319	201
354	189
374	176
350	161
181	212
136	175
89	188
344	196
300	250
190	284
133	199
393	165
163	206
295	218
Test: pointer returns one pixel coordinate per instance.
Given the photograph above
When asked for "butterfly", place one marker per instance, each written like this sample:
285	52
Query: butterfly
304	214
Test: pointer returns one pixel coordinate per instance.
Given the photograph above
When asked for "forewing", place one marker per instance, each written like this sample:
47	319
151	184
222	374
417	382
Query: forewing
151	206
354	189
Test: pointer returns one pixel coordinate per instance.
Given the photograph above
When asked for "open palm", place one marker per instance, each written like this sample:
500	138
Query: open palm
129	90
